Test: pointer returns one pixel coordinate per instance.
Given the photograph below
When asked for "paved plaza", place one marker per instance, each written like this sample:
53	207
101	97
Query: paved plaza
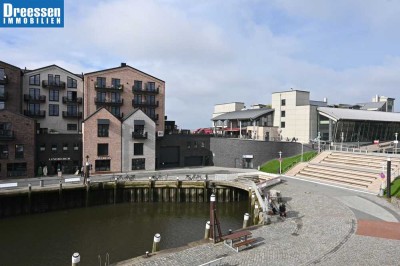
321	229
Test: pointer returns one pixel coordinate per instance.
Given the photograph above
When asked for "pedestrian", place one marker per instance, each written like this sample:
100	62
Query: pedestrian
45	170
282	210
82	171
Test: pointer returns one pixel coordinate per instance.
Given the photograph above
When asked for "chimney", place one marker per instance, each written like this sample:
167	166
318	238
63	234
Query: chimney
123	64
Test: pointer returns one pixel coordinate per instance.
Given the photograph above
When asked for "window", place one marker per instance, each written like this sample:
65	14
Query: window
54	95
102	149
53	147
76	146
50	79
53	109
71	83
101	82
138	129
151	86
115	110
151	112
57	79
102	165
34	93
137	85
137	99
65	146
283	113
72	110
72	127
115	83
34	80
2	73
2	105
195	144
203	144
42	147
2	90
188	145
283	124
283	102
3	151
16	169
138	149
19	151
34	108
102	130
115	97
101	96
71	95
138	164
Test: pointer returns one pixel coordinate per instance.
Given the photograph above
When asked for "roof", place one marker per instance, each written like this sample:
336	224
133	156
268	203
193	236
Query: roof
318	103
123	66
292	90
53	65
363	115
243	114
9	65
229	103
129	114
98	110
371	105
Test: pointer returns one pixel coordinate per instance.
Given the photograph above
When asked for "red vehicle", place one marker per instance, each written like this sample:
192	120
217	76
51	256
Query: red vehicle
206	131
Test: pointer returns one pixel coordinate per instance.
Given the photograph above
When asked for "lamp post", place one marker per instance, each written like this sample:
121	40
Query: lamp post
395	143
87	168
302	151
280	162
342	139
388	178
319	142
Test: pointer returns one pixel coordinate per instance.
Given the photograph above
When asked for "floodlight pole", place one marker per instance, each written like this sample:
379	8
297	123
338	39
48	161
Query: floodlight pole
388	177
280	162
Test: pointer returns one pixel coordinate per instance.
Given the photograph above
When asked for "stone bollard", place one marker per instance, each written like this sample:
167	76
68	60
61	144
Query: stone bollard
156	243
246	219
255	217
207	231
29	188
76	259
41	182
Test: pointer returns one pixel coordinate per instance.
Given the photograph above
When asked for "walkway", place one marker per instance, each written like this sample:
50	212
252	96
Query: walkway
320	229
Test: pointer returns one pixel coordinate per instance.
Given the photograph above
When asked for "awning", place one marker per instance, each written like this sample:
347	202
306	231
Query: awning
138	122
103	121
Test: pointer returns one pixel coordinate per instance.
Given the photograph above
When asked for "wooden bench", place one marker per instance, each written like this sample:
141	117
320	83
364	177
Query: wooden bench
71	180
8	185
243	243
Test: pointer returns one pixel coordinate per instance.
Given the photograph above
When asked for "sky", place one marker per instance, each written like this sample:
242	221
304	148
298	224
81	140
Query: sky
219	51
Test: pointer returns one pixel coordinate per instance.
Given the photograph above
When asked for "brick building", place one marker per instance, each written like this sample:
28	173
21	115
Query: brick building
17	145
10	87
123	88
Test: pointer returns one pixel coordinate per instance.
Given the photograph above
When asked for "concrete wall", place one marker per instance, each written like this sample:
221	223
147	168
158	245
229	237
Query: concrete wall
56	123
230	152
91	139
149	147
127	76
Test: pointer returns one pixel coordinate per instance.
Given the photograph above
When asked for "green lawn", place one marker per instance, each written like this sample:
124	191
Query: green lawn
273	166
395	188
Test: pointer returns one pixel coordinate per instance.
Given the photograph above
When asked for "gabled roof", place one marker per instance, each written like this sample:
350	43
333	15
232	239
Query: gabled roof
130	113
250	114
361	115
98	110
11	66
120	67
15	113
53	65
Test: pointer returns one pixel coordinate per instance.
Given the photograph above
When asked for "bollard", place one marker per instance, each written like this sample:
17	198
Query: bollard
246	219
41	182
29	187
60	185
230	232
156	243
147	254
88	182
76	258
207	232
255	217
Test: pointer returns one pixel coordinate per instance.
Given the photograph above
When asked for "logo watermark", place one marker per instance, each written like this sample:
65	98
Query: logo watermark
32	13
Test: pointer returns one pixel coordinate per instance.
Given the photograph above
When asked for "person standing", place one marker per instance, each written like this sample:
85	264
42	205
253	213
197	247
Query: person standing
45	170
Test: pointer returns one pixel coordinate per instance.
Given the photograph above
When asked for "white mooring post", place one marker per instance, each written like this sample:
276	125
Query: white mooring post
156	243
76	259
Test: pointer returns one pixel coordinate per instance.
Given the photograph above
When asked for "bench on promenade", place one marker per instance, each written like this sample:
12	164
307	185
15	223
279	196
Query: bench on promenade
72	179
238	239
8	185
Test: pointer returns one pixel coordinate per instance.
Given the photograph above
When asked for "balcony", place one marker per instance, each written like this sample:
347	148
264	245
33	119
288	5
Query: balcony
139	135
119	116
144	103
67	114
111	102
155	118
103	87
77	100
7	135
35	113
145	91
35	99
53	85
4	80
3	96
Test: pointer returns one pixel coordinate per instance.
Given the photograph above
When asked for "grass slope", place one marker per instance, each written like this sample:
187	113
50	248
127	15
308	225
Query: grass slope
273	166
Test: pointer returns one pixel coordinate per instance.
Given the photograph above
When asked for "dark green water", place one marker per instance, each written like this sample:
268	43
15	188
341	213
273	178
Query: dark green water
123	231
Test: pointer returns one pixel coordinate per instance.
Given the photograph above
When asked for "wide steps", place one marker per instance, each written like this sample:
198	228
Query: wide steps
364	158
352	162
352	178
333	178
344	171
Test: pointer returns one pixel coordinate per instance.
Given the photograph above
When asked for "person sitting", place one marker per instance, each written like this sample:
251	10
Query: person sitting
282	210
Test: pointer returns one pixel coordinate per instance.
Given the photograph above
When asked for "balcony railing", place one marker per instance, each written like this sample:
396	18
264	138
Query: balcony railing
145	103
34	113
53	84
139	135
3	80
67	114
145	91
103	87
155	118
3	96
114	102
35	99
119	116
7	135
77	100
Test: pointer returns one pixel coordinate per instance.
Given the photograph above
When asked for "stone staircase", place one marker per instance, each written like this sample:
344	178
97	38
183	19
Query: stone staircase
361	171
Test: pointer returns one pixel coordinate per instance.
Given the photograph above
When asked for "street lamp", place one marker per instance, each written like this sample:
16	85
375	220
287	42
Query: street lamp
280	162
302	151
319	142
342	139
87	168
395	143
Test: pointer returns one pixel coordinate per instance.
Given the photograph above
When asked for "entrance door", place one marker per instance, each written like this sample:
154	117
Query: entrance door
248	163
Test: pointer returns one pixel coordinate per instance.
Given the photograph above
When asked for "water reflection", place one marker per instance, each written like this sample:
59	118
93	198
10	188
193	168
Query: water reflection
123	230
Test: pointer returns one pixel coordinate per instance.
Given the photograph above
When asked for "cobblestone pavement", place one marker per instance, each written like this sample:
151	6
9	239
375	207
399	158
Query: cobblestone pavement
319	230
